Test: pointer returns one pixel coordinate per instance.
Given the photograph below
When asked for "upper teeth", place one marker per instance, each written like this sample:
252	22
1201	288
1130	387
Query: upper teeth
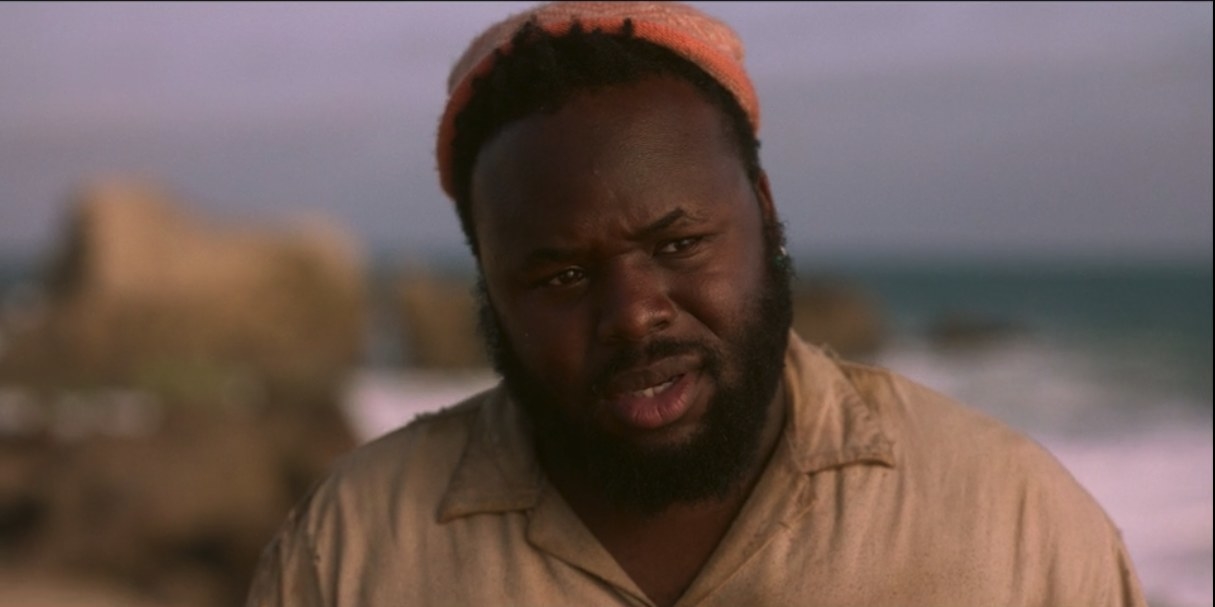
652	390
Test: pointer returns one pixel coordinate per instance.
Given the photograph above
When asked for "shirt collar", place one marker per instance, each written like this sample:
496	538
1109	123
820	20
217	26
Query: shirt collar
828	425
498	471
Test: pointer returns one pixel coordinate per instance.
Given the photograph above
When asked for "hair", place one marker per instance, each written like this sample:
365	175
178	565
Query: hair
542	72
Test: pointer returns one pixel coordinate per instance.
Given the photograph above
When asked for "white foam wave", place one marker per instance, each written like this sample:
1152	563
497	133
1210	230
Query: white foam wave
1156	485
379	401
1037	385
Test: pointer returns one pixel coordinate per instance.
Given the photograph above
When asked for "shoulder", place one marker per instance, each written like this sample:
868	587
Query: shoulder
397	479
931	427
972	479
986	498
950	453
436	436
386	488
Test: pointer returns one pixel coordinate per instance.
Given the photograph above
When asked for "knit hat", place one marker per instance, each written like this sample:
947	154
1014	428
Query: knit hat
695	36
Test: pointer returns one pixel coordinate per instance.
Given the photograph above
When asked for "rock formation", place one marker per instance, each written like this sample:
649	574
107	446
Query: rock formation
141	291
839	315
966	330
439	321
177	392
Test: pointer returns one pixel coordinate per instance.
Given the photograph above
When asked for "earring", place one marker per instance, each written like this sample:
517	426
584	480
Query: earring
782	260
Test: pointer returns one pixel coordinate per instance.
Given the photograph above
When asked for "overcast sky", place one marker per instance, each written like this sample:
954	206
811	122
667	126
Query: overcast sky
1073	129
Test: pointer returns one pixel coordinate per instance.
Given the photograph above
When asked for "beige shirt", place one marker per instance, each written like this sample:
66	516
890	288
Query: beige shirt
880	492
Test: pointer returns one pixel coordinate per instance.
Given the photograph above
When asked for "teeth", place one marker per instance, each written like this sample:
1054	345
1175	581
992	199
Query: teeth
653	390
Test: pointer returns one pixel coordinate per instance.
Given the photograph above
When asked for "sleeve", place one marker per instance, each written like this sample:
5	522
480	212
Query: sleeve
1087	561
287	573
1125	590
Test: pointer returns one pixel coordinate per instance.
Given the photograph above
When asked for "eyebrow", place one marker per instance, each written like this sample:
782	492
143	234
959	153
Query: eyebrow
662	223
559	254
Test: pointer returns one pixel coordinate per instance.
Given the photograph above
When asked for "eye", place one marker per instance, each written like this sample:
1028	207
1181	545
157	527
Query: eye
680	245
565	278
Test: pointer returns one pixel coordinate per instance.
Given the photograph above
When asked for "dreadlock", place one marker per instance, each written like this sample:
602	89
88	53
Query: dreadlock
543	71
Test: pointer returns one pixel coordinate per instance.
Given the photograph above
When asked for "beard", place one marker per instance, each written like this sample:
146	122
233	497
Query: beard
711	462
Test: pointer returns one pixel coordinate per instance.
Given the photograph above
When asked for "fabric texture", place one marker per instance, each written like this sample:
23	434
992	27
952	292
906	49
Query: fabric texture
880	492
697	37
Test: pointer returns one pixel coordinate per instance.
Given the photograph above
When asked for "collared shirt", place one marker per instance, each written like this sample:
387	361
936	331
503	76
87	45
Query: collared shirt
879	492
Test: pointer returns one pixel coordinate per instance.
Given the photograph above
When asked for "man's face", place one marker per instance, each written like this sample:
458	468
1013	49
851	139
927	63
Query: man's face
631	304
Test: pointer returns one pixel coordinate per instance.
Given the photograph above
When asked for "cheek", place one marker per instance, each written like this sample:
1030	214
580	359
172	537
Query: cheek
550	341
724	297
720	306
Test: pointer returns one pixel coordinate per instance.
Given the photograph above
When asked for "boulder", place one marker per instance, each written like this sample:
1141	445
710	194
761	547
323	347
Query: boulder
181	514
967	330
203	497
438	319
31	587
23	468
141	291
171	392
838	314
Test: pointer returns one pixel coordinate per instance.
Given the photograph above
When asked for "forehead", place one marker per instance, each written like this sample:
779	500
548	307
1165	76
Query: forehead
619	154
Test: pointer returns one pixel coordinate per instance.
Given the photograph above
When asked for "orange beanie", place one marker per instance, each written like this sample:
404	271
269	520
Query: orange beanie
695	36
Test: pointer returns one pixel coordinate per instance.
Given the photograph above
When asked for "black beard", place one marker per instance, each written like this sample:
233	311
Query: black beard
710	463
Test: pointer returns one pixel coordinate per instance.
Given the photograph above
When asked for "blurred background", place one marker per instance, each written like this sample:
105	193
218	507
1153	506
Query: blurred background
225	258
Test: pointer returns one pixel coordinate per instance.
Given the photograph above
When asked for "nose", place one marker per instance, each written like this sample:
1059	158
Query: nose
634	302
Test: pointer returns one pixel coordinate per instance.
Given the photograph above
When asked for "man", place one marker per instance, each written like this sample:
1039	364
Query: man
660	437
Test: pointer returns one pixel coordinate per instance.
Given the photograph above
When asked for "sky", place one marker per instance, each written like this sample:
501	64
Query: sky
890	130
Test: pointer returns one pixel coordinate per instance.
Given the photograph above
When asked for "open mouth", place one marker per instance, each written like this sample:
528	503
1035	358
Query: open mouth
653	391
655	405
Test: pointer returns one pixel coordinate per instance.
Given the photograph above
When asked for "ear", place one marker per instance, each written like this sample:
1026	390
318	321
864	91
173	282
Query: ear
763	193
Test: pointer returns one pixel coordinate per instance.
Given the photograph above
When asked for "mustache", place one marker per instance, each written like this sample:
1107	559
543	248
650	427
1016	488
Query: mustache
629	358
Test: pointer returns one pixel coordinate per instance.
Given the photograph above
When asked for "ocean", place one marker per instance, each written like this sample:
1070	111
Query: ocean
1108	365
